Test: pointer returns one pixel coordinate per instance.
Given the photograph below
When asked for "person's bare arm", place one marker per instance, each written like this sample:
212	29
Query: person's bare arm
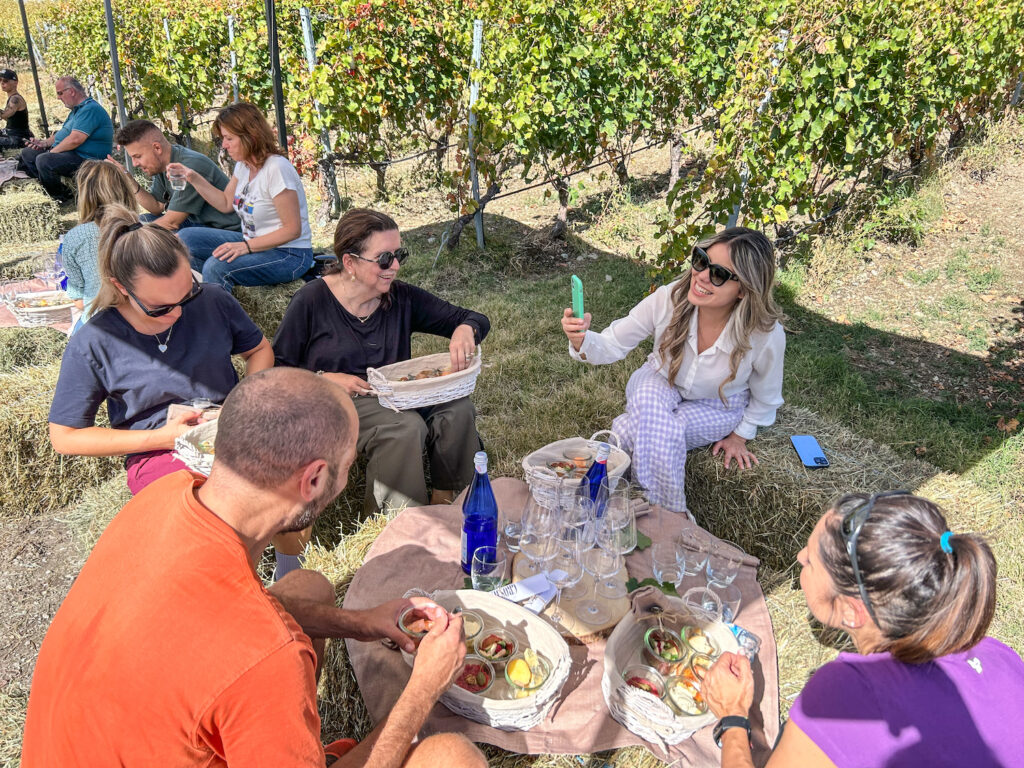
221	199
104	441
287	205
796	750
259	358
16	104
171	220
72	141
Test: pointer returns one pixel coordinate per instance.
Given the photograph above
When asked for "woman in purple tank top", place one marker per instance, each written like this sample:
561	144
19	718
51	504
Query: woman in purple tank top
926	686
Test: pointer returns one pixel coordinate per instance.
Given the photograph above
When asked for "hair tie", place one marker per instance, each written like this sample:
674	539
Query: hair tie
133	227
944	542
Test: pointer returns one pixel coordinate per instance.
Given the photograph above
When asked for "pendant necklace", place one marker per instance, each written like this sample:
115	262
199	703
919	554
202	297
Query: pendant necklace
163	346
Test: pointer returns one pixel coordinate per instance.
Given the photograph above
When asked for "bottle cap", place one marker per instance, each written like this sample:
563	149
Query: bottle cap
602	452
480	461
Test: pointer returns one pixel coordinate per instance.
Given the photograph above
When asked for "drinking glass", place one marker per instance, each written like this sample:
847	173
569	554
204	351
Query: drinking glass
695	544
177	180
511	532
578	523
724	563
602	564
565	570
487	569
620	541
730	598
540	526
613	498
668	562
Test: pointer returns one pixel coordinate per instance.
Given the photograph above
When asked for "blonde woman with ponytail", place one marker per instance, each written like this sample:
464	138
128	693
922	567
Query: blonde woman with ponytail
155	337
927	686
715	374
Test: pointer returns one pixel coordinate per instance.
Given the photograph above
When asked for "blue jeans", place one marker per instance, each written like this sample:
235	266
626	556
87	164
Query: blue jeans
278	265
48	167
190	220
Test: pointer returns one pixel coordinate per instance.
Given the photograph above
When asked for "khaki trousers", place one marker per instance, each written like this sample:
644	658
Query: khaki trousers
394	444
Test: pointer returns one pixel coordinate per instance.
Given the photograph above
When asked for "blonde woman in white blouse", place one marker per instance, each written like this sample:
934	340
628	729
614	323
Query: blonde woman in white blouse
715	374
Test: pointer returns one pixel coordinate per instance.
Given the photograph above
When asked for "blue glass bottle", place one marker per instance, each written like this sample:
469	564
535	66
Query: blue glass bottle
591	482
58	266
479	514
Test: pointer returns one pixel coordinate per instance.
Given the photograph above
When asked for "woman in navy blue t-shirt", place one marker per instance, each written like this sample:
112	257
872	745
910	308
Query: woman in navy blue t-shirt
156	337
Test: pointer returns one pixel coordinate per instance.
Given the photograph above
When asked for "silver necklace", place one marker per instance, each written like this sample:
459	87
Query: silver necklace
163	346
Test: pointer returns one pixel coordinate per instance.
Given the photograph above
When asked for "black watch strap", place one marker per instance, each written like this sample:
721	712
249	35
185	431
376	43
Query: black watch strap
732	721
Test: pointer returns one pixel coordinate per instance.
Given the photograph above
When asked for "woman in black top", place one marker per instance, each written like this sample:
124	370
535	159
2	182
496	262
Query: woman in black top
358	316
15	112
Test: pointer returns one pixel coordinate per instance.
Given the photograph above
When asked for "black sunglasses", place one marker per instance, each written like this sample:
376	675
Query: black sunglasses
384	260
162	310
719	275
851	526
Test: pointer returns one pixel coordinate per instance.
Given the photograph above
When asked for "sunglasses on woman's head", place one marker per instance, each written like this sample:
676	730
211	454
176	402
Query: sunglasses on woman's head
163	309
719	275
384	260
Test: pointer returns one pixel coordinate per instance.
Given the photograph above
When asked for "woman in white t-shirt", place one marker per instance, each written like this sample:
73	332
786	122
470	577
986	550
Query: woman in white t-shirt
715	374
275	244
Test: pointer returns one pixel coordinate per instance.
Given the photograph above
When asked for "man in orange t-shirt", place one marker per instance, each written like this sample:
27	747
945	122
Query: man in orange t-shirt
169	651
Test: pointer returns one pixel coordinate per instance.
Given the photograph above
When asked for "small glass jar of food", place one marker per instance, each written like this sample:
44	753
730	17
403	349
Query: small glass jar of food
496	645
684	697
664	650
415	621
472	626
700	641
564	469
645	678
526	672
581	457
476	675
697	668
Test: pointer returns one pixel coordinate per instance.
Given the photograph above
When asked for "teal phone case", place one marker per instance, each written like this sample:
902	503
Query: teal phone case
577	297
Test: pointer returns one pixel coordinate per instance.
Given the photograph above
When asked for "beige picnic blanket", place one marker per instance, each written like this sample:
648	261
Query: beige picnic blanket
421	548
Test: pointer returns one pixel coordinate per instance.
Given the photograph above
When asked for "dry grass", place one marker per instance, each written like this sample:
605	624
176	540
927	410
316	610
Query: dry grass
97	507
28	214
25	347
13	703
266	305
36	478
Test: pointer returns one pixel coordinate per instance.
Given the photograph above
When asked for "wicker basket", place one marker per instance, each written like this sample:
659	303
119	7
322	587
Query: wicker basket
496	708
34	317
186	447
406	395
642	713
548	488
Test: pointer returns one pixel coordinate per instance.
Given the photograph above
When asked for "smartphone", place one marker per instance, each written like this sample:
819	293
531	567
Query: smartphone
577	297
809	451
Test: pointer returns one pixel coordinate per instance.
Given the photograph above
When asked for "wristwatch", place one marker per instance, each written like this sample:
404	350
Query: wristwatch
731	721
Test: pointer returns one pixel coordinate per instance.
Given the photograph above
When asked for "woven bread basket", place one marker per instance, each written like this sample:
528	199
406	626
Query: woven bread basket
643	713
497	708
406	395
546	486
186	447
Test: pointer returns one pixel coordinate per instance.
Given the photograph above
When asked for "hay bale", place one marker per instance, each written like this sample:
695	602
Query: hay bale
770	510
28	214
17	262
23	347
13	706
35	477
266	304
97	507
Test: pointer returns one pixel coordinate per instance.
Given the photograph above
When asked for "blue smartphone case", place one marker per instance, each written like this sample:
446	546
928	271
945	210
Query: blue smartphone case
577	297
809	451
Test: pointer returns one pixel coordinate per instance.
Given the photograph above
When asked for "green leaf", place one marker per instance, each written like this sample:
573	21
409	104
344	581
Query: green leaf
632	585
642	541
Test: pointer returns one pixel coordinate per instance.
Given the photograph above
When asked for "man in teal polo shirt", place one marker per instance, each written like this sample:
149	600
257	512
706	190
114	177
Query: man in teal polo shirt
150	152
87	134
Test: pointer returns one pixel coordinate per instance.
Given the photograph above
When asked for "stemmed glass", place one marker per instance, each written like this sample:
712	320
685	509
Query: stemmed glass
602	564
616	533
578	518
537	542
566	568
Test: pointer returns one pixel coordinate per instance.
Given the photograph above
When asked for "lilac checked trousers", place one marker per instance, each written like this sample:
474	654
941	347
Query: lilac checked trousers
659	427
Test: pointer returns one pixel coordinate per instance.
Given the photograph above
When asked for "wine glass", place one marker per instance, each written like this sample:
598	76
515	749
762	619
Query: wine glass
487	569
613	497
602	564
724	563
565	570
668	562
540	526
619	540
578	518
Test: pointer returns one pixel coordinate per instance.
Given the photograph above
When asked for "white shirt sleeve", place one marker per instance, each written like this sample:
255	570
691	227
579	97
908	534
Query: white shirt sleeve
765	385
282	175
623	335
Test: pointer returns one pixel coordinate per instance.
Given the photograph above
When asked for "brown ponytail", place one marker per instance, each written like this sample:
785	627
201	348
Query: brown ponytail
928	602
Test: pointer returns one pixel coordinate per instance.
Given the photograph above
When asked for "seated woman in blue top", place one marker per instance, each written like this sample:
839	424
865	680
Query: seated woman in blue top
156	337
926	686
275	244
100	184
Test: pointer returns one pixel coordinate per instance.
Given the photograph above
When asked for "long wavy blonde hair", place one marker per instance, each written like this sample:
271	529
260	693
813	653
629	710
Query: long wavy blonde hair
753	259
100	184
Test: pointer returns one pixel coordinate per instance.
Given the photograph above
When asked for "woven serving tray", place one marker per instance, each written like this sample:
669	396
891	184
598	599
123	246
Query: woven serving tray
406	395
547	488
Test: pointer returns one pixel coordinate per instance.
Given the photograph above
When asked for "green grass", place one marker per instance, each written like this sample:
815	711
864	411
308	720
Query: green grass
924	277
956	265
985	280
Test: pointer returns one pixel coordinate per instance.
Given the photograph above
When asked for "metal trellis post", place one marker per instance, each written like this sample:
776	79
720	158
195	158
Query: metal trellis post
35	72
115	69
330	181
234	58
474	92
270	10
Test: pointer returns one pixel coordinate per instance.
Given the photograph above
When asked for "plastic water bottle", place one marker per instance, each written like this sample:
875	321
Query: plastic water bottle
479	514
591	482
60	275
